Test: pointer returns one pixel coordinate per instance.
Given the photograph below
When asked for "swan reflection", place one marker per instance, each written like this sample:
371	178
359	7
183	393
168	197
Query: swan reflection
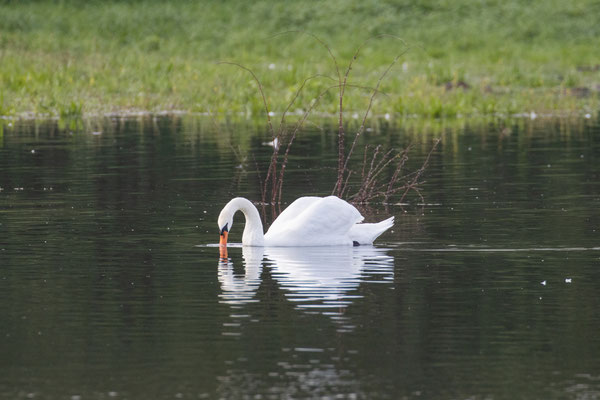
317	277
238	289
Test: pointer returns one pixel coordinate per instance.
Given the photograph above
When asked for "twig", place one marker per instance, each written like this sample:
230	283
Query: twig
273	164
364	120
342	158
260	89
419	172
370	186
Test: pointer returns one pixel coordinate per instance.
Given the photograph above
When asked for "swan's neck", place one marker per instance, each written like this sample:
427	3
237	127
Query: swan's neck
253	231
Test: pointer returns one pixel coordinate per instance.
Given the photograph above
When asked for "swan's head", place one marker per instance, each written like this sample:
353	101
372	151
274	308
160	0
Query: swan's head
225	222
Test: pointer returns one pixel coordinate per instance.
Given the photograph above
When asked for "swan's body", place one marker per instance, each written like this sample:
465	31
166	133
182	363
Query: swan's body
308	221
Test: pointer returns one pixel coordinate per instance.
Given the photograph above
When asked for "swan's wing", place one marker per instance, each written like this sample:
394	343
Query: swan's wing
326	221
292	211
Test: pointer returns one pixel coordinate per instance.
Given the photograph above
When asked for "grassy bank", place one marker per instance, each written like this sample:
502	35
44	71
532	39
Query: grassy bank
466	58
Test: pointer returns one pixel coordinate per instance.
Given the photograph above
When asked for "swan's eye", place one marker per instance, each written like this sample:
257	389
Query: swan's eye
224	229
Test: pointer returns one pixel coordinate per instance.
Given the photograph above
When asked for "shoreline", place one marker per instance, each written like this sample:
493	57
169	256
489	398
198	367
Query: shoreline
354	116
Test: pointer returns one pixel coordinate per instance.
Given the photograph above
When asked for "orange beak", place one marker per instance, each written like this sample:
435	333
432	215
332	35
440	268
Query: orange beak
223	241
223	246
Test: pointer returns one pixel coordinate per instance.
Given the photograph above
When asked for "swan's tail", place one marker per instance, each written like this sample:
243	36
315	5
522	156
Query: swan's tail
367	233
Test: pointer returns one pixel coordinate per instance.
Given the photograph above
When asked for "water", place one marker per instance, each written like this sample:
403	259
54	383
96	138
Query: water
110	286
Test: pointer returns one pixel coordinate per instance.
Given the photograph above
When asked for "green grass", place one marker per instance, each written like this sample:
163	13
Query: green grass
73	58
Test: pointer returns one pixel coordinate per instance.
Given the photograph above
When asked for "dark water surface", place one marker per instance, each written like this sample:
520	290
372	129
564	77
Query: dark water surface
490	290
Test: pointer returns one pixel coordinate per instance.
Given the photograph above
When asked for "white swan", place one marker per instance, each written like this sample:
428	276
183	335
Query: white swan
308	221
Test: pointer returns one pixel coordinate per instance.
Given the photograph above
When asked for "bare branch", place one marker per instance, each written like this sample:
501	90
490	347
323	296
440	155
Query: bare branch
419	172
260	89
378	164
364	120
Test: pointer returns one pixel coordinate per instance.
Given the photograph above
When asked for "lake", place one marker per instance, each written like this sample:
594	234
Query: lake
111	287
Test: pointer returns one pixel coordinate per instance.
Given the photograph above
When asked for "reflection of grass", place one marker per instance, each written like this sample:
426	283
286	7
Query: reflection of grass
75	58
